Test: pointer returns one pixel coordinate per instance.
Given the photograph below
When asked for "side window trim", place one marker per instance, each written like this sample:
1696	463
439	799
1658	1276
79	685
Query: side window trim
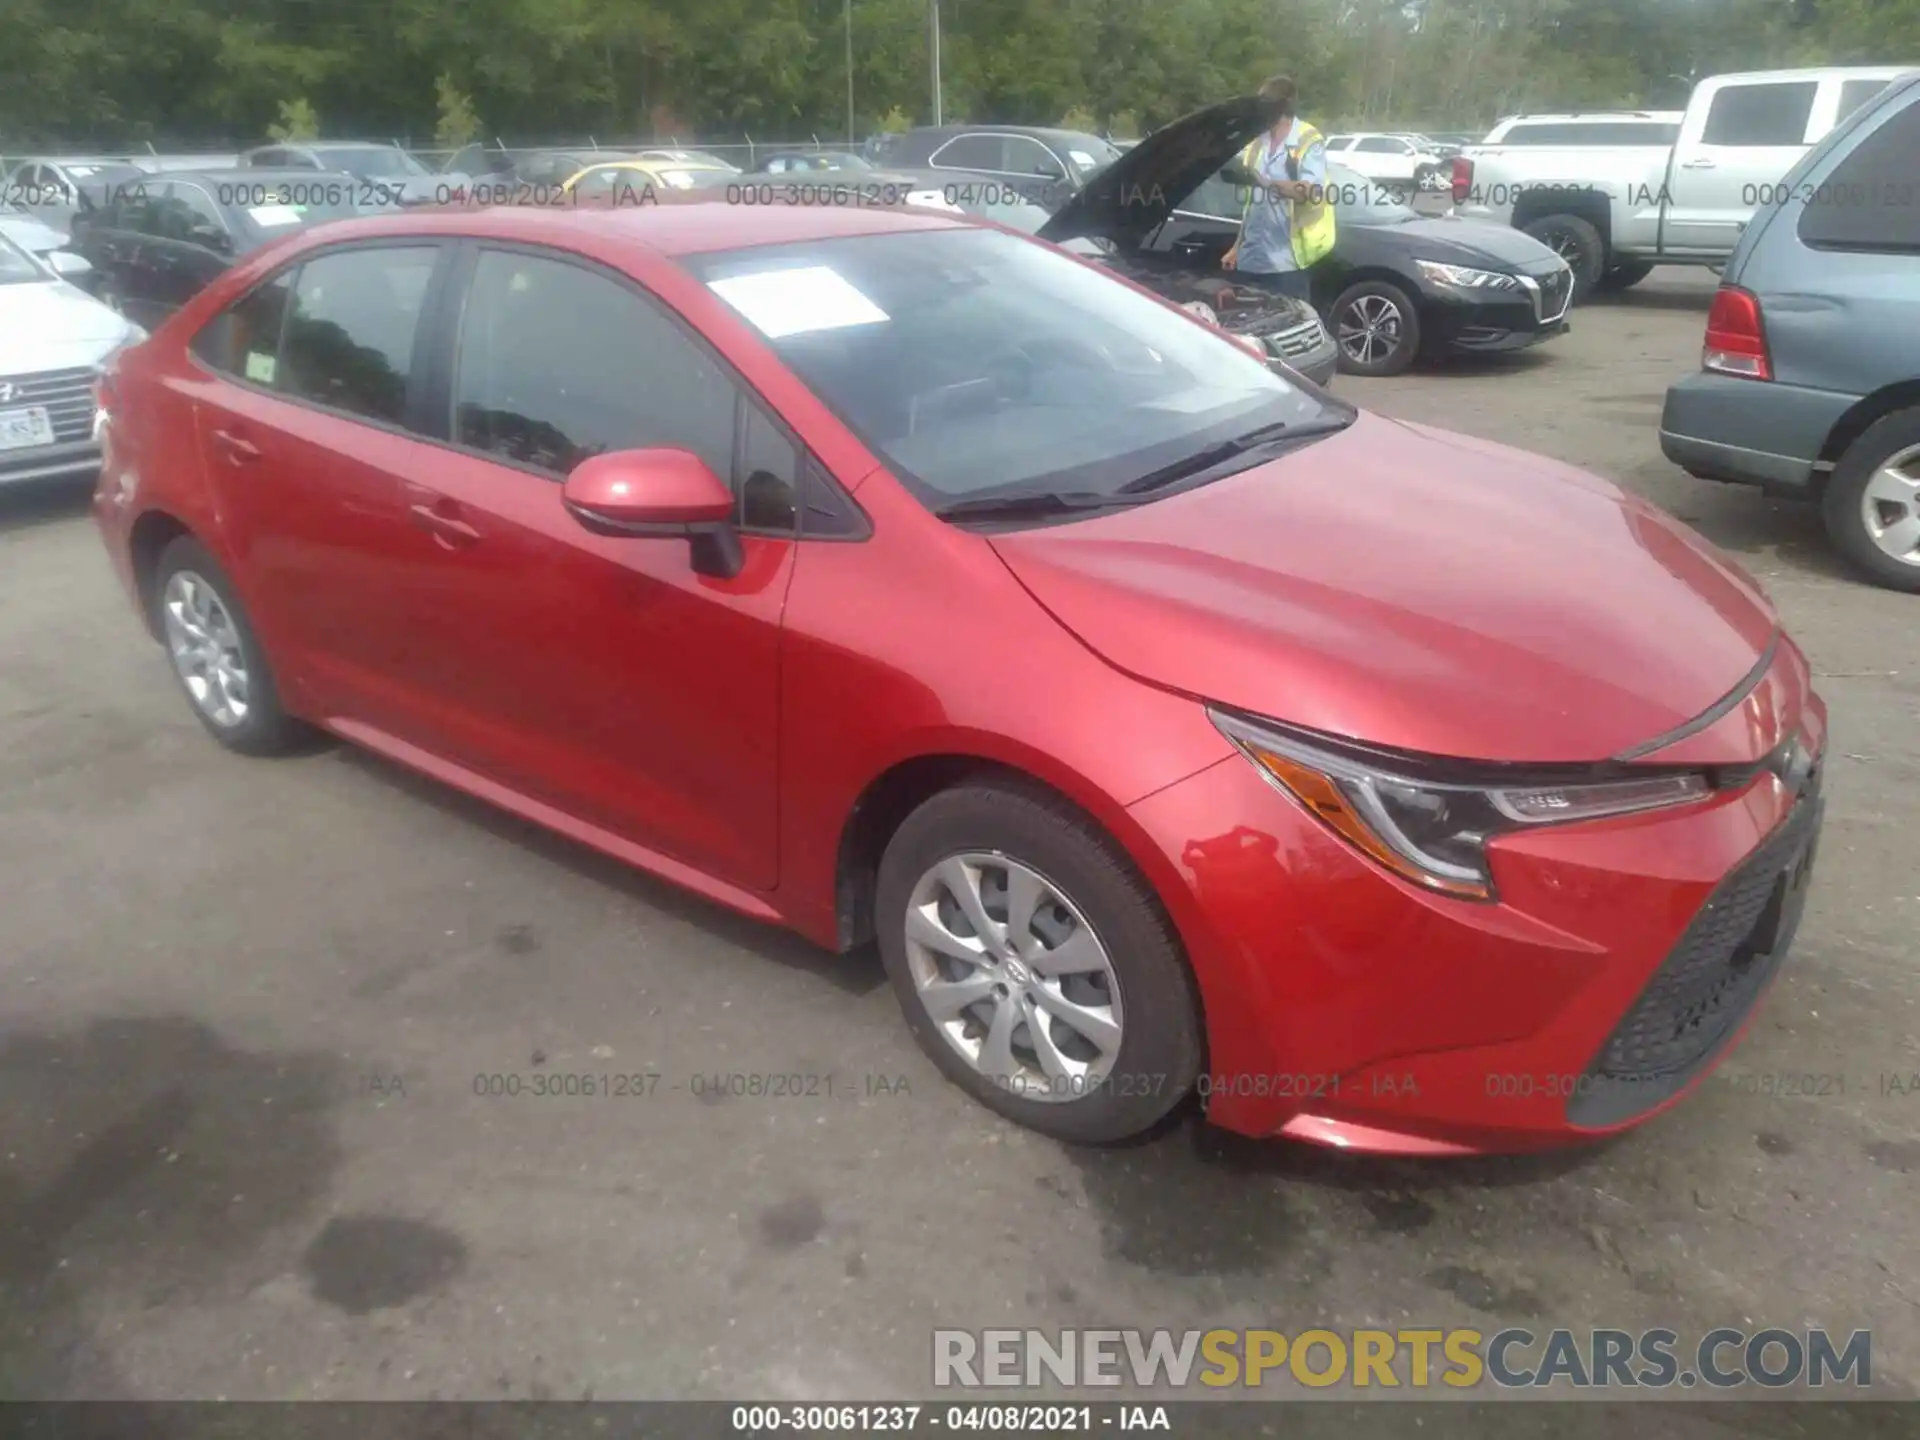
935	162
291	272
445	315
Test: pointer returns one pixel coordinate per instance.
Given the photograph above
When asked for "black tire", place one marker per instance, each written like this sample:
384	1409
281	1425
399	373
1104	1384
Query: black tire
1160	1048
265	728
1623	277
1353	307
1576	242
1843	508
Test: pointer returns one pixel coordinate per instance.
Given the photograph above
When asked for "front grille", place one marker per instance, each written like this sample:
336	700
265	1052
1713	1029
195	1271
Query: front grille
67	396
1303	339
1555	291
1699	995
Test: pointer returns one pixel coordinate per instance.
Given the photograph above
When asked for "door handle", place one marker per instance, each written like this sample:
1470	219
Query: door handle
239	450
441	520
1703	163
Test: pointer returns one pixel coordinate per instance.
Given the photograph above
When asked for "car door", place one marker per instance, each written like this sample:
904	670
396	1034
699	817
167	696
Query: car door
303	420
114	240
1040	173
193	243
602	675
1732	148
1381	157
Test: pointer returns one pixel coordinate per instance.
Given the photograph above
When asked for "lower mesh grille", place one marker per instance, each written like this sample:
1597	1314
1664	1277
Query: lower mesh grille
1700	994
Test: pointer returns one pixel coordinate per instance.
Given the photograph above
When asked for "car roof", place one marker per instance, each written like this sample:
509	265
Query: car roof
1652	117
319	145
1038	132
242	175
685	225
1814	72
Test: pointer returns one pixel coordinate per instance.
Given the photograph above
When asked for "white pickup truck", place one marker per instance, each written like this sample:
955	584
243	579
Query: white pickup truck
1615	210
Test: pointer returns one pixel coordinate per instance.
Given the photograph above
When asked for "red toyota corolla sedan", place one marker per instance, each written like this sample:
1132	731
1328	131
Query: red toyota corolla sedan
1172	726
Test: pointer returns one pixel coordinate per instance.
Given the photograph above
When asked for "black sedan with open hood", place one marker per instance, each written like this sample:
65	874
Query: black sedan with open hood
1398	285
1107	219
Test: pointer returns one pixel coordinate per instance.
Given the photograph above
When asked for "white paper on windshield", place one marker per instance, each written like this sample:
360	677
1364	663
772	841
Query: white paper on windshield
260	368
267	216
1082	159
778	303
934	198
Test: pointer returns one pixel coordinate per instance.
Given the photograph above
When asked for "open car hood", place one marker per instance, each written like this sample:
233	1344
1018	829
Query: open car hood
1130	198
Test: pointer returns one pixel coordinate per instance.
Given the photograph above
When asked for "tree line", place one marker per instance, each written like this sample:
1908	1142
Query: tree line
113	74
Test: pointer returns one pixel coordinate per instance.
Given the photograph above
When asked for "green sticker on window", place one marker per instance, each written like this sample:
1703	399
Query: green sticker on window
259	367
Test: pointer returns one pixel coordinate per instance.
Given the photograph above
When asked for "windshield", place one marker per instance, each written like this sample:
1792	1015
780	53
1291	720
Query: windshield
1086	154
366	160
276	207
978	363
1360	201
16	266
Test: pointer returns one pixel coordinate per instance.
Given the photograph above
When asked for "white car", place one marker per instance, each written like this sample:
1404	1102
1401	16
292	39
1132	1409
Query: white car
53	340
1392	160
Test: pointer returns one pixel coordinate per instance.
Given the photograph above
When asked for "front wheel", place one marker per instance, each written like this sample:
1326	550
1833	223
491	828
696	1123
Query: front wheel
1577	242
1872	502
1376	327
1034	965
216	656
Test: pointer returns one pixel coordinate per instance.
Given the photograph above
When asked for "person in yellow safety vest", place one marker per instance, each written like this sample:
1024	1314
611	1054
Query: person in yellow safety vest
1288	221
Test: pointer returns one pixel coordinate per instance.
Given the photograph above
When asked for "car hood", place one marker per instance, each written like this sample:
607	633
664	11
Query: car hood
54	326
1128	199
30	234
1412	588
1456	241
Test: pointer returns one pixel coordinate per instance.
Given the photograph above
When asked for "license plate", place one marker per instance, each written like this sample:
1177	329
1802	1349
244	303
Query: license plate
21	428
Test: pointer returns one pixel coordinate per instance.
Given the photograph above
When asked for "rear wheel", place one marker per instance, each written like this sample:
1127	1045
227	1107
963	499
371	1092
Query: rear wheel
1376	327
1872	502
215	655
1575	241
1034	965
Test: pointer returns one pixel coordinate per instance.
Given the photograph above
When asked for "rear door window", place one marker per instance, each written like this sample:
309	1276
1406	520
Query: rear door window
349	338
1772	113
971	152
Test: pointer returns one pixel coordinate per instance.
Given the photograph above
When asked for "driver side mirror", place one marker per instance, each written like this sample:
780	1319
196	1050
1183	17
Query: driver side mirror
658	493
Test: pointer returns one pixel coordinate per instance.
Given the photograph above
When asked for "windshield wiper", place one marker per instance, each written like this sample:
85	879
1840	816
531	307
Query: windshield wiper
1204	460
1022	503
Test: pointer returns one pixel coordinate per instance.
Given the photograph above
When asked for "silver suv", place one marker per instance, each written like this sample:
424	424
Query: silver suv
1809	381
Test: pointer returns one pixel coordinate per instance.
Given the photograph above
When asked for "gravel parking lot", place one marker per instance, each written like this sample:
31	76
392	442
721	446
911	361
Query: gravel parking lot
247	1011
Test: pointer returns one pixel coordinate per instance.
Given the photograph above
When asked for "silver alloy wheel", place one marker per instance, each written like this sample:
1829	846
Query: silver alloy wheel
1013	976
205	646
1890	506
1370	329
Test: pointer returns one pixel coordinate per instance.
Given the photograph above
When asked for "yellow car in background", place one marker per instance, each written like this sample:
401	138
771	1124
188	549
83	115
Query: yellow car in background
621	180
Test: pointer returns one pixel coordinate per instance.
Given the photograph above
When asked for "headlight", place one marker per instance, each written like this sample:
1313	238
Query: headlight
1205	311
1431	832
1462	278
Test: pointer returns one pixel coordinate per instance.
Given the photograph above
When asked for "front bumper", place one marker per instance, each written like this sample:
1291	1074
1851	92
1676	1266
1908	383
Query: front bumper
1462	323
1349	1008
79	460
1750	432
